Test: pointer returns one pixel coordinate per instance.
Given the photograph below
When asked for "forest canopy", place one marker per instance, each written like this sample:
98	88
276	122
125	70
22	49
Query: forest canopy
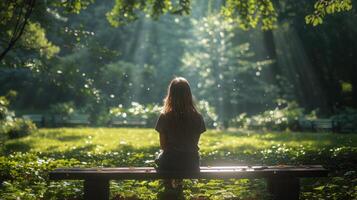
247	14
97	55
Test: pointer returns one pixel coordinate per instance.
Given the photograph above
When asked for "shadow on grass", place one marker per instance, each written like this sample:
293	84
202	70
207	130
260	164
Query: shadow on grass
235	133
16	147
69	138
58	135
315	139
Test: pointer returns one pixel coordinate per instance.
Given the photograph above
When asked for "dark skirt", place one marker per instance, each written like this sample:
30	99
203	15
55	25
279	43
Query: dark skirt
178	161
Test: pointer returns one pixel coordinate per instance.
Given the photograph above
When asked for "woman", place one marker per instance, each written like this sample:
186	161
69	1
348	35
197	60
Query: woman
180	126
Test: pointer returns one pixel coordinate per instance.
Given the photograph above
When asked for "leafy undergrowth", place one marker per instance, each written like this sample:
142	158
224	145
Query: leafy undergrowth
25	175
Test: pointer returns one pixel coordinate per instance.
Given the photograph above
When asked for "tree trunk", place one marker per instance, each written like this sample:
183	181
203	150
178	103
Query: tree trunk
276	72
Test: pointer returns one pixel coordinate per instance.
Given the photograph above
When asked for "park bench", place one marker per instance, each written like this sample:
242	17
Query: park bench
77	120
127	122
305	124
282	180
323	125
318	125
255	125
72	120
35	118
345	127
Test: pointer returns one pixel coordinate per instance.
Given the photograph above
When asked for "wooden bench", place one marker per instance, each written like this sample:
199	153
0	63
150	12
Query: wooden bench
305	124
35	118
255	125
282	181
78	120
323	125
127	122
73	120
317	125
345	127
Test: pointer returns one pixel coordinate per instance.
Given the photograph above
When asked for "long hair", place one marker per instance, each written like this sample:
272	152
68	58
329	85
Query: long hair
179	98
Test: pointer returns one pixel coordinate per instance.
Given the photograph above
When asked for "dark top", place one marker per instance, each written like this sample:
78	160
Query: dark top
182	132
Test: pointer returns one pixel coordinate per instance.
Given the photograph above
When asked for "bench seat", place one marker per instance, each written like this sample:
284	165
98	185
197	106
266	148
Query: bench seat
138	123
282	180
139	173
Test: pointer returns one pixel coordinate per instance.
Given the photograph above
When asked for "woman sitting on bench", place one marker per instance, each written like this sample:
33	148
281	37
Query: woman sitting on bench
180	126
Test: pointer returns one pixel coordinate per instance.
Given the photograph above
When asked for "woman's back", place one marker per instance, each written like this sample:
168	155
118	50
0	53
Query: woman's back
181	131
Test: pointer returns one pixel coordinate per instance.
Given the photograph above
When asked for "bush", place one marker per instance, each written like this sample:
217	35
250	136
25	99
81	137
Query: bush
150	112
63	109
5	113
347	118
137	111
11	127
208	114
20	128
285	116
25	176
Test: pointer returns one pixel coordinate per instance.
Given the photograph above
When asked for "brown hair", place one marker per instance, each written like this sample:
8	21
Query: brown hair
179	97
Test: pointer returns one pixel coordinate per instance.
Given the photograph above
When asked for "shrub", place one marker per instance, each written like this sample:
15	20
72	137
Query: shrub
285	116
20	128
150	112
63	109
346	117
5	113
137	111
25	176
11	127
240	121
208	114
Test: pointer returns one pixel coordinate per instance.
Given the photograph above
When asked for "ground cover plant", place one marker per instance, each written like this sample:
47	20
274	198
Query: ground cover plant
26	162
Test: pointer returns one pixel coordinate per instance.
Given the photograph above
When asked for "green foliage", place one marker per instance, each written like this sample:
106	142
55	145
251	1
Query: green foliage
137	111
208	113
25	175
72	6
34	38
150	112
62	109
246	13
125	11
11	127
284	116
219	64
5	113
20	128
347	118
249	13
324	7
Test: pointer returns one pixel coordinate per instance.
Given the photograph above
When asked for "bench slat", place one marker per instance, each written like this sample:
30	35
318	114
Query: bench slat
282	180
205	172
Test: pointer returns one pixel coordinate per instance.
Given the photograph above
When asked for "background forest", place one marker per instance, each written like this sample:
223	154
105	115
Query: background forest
79	58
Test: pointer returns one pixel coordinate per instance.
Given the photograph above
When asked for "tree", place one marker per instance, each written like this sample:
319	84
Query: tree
23	27
228	77
15	15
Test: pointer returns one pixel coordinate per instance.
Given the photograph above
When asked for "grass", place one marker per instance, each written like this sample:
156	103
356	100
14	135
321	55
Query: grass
113	139
92	147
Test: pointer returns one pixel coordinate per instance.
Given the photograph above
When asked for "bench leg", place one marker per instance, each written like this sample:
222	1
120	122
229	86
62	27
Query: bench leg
96	189
284	188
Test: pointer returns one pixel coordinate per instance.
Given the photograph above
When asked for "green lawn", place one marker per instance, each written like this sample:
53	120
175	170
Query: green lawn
112	139
26	174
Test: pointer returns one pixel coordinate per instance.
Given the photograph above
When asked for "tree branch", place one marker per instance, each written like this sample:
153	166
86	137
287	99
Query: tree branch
19	27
